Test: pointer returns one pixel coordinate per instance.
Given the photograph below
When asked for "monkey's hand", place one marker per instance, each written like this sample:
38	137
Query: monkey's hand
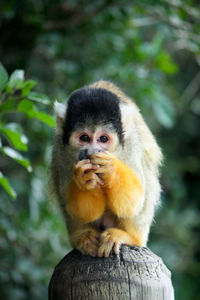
84	175
125	195
106	169
113	238
87	241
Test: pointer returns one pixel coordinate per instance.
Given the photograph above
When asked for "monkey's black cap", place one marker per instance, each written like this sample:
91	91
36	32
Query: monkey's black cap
92	106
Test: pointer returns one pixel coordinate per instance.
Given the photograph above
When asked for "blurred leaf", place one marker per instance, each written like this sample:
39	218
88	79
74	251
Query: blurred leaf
28	108
14	133
153	48
156	44
164	110
17	157
195	106
3	77
5	184
45	118
38	98
165	63
28	85
7	106
16	79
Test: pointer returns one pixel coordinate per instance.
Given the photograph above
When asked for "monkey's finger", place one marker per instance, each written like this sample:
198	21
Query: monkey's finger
79	169
82	162
91	184
99	180
101	155
83	179
105	249
85	168
116	248
90	243
88	176
108	250
105	172
101	162
85	164
104	155
94	241
101	251
89	248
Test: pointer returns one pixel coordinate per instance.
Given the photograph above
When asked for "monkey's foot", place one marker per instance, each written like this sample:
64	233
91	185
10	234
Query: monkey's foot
113	238
88	243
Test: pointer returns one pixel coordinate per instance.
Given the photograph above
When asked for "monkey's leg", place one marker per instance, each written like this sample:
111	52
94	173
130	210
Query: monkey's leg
86	239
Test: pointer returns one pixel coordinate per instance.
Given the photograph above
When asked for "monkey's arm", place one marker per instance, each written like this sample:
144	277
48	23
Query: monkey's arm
123	189
85	198
85	205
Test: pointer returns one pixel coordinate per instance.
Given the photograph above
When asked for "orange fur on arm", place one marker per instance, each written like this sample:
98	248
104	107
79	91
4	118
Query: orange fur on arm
124	191
86	206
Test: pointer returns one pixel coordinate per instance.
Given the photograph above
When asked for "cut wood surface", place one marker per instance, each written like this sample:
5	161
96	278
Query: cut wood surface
136	274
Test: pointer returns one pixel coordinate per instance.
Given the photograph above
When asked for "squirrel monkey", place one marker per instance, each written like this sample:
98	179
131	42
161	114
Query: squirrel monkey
104	169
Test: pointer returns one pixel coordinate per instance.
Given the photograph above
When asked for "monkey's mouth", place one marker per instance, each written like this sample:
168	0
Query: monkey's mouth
85	153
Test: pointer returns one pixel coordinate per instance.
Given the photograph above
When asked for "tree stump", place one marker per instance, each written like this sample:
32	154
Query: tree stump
136	274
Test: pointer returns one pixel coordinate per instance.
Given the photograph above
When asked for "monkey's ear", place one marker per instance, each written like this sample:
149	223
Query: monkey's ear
60	110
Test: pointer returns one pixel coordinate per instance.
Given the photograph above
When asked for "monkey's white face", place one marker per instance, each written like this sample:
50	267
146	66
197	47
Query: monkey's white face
98	140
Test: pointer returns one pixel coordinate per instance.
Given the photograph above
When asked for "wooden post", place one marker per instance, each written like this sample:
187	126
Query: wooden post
136	274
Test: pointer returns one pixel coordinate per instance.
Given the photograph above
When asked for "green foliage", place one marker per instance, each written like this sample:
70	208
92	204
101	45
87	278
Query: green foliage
5	184
14	133
3	77
28	108
20	222
16	96
151	50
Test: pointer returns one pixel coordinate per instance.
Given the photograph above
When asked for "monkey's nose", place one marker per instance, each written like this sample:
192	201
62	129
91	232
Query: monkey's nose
83	154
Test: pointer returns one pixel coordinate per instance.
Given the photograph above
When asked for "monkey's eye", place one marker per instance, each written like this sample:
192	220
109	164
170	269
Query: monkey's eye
84	138
103	139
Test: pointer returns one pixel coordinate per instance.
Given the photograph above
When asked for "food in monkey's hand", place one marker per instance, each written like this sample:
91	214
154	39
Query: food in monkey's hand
104	170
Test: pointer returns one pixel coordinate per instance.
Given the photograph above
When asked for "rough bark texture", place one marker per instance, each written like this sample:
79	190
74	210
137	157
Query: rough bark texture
136	274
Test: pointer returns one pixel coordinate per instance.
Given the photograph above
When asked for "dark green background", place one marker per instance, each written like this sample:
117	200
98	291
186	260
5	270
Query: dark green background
151	49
